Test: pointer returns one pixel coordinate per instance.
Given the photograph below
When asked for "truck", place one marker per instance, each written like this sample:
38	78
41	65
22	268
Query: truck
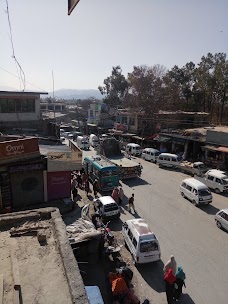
215	179
93	140
196	168
110	148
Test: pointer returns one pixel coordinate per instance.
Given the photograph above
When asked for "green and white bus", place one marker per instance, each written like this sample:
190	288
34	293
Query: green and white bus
100	168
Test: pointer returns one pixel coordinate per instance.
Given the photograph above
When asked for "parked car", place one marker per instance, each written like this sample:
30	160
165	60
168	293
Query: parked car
168	160
221	219
135	149
215	179
106	207
150	154
141	241
195	191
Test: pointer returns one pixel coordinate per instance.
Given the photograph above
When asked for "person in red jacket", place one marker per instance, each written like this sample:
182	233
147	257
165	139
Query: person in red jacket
170	278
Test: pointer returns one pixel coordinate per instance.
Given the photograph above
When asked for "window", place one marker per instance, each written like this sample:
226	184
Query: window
210	177
134	242
124	119
218	180
174	159
11	105
130	234
183	185
148	246
188	187
132	121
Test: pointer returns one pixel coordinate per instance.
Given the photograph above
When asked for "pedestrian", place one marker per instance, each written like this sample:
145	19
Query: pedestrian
79	180
131	203
170	264
115	195
87	188
95	187
75	193
169	285
121	196
73	182
129	152
84	178
180	277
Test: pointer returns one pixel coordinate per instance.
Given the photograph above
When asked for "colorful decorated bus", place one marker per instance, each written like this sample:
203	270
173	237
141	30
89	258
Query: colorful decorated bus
100	168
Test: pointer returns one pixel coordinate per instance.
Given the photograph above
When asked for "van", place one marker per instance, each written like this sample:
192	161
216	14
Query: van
82	143
221	219
106	207
141	241
215	179
93	140
150	154
134	149
168	160
195	191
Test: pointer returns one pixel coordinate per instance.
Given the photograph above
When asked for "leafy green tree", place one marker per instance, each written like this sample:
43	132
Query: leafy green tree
115	88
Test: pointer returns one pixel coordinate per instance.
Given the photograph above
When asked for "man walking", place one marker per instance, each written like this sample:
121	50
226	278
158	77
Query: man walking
131	203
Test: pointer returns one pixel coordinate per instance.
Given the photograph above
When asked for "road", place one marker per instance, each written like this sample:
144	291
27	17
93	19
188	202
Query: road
187	232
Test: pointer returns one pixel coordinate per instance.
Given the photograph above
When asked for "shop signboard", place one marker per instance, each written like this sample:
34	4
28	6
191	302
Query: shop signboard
18	149
58	185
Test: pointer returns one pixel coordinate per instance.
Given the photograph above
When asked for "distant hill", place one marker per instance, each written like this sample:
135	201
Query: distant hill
76	94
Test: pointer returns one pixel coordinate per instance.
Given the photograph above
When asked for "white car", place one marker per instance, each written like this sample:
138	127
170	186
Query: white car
106	207
221	219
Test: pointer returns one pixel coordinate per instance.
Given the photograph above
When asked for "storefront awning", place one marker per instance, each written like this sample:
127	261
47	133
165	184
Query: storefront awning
219	149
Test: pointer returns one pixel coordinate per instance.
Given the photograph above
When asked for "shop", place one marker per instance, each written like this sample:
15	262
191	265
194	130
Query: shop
216	157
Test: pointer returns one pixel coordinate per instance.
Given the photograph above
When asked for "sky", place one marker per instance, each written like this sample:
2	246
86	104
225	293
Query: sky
82	48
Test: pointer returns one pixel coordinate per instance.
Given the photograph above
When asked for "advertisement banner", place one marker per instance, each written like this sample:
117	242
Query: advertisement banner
58	185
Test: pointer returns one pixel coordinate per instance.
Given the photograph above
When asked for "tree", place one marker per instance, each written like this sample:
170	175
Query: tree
115	88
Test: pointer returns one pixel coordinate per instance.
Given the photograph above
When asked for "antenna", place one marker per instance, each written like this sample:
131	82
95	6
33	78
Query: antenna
53	91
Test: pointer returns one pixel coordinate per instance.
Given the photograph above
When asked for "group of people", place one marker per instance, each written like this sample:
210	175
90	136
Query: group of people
174	280
118	196
79	180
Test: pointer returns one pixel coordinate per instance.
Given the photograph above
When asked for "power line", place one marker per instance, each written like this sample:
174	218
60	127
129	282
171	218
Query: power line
19	77
22	74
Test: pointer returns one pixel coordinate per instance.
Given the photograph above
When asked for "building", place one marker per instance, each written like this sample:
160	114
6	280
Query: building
99	118
20	110
37	262
52	106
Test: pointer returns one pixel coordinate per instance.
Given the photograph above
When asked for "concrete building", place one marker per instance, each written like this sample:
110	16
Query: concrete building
19	109
59	107
37	262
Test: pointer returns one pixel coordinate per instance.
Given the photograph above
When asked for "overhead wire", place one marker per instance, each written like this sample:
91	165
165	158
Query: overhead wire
21	72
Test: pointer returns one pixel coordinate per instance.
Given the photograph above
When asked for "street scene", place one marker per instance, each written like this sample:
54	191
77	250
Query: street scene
113	152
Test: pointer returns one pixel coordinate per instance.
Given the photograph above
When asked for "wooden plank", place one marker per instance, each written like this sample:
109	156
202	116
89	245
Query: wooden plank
14	262
1	288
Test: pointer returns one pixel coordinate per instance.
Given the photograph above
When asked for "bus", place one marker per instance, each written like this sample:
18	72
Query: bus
100	168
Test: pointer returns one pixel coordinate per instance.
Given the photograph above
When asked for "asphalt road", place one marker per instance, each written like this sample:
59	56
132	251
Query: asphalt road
187	232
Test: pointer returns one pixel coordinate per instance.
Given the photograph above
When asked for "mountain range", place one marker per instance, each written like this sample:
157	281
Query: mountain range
76	94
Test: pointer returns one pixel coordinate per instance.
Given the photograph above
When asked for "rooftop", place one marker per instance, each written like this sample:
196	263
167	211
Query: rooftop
37	263
23	92
45	149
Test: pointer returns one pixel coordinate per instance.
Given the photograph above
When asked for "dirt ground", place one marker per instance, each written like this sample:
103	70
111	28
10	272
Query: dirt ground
41	272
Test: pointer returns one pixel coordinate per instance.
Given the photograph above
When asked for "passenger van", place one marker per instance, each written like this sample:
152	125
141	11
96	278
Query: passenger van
221	219
82	143
168	160
135	149
93	140
106	207
150	154
141	241
195	191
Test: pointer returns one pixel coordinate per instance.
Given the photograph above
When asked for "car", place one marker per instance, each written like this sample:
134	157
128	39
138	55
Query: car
106	207
221	219
150	154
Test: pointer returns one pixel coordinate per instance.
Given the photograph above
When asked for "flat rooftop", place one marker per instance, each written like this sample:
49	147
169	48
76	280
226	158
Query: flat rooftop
37	263
45	149
123	161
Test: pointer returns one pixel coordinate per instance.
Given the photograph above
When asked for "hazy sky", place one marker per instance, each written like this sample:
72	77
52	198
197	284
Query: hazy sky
82	48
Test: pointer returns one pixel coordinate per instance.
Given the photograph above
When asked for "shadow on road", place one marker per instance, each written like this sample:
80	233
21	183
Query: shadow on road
134	182
209	209
186	299
153	274
116	225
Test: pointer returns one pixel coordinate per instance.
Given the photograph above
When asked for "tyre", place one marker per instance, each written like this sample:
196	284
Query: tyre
182	194
218	224
217	190
194	203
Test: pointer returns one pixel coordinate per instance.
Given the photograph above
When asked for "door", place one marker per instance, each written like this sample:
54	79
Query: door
27	188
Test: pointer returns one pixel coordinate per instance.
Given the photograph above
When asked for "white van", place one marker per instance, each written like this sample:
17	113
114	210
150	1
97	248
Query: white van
106	207
135	149
168	160
82	143
141	241
195	191
93	140
150	154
